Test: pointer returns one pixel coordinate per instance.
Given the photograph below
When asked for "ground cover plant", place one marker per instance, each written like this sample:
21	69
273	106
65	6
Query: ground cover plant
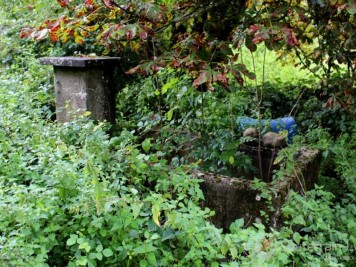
74	195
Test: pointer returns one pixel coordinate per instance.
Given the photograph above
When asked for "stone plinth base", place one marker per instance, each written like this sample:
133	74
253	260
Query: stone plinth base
84	84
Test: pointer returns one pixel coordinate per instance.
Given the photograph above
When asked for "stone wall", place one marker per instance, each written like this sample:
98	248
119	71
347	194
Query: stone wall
234	198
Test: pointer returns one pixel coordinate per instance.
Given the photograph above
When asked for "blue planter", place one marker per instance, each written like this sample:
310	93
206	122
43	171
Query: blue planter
273	125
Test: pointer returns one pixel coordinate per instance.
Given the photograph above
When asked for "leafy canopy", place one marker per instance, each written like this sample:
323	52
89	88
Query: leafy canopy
203	37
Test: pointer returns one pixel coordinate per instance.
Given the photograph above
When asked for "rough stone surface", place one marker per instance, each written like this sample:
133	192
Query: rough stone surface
84	84
273	140
252	132
80	62
234	198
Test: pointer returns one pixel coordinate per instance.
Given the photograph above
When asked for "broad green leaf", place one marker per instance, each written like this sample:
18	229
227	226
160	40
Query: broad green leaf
156	213
146	144
92	255
136	208
239	223
143	263
228	241
99	196
99	248
231	160
92	263
103	232
299	220
278	159
297	237
143	249
170	114
151	257
99	256
233	251
72	240
82	261
134	191
85	246
167	234
224	248
107	252
169	85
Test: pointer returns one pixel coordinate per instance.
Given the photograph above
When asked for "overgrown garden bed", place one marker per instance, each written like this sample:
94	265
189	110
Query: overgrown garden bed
89	193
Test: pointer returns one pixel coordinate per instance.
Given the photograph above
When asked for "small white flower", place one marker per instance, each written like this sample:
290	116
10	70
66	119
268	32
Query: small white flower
258	197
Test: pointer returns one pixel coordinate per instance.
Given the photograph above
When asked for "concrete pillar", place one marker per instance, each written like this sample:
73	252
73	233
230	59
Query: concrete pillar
84	84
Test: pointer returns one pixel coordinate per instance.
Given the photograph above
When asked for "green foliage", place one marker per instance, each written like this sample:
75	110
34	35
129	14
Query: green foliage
325	229
74	192
71	195
14	15
183	121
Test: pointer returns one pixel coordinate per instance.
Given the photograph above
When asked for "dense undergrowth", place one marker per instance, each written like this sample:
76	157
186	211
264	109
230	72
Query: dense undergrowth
73	195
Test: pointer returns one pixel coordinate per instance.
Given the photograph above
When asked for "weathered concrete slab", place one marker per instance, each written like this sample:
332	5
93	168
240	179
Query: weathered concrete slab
80	62
84	84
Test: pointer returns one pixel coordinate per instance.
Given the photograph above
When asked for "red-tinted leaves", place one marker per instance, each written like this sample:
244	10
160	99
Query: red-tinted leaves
137	70
154	13
88	3
242	68
254	28
91	28
209	86
143	35
53	35
237	76
51	24
175	63
63	3
147	68
109	3
26	32
260	37
155	69
188	40
130	31
78	38
203	77
221	78
291	39
40	34
249	44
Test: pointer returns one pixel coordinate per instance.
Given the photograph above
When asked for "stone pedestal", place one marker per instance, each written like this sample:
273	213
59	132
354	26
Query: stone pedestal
84	84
